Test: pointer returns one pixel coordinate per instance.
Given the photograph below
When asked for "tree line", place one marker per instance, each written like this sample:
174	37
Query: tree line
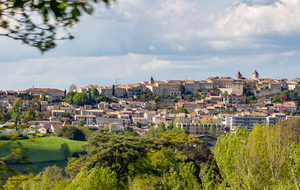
266	158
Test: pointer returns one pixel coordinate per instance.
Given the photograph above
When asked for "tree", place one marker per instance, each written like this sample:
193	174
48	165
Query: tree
182	110
65	151
43	98
234	109
180	140
90	97
116	152
276	98
173	111
75	133
177	120
81	122
197	95
46	179
285	93
95	92
152	132
161	127
154	107
72	87
183	177
97	178
181	88
17	103
255	160
113	90
294	96
80	99
41	31
16	155
225	94
138	125
212	130
16	116
163	105
69	98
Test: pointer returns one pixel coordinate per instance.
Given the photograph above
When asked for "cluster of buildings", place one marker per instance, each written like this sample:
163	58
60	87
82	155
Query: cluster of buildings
260	87
230	110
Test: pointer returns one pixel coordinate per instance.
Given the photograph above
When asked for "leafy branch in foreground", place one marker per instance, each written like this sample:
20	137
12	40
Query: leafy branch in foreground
37	22
17	155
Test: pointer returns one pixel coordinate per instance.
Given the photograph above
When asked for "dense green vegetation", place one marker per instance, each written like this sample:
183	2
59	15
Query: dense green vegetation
266	158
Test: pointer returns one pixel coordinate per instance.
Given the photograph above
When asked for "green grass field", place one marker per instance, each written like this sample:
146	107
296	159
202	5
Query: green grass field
47	149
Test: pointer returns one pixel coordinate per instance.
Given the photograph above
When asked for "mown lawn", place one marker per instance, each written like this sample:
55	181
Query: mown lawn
47	149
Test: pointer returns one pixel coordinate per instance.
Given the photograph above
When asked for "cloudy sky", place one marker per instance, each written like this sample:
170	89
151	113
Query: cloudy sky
166	39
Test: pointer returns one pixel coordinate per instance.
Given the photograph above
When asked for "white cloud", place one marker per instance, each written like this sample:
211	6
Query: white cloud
288	53
156	64
178	47
151	48
280	18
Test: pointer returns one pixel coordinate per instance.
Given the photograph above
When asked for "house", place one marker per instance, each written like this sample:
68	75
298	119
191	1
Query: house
149	115
55	127
87	107
57	113
98	113
11	100
89	119
44	104
102	121
207	140
141	120
10	93
115	127
248	121
49	91
103	105
66	123
234	99
123	116
43	130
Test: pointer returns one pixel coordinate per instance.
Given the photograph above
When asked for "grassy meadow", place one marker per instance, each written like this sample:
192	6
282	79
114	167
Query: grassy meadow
46	149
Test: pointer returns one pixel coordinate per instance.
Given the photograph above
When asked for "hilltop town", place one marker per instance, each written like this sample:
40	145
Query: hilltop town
212	106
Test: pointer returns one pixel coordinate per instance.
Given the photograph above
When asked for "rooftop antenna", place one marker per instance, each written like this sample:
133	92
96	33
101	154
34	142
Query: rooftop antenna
118	79
189	75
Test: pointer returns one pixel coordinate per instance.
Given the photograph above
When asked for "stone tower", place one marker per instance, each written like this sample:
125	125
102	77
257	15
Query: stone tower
255	74
151	81
238	76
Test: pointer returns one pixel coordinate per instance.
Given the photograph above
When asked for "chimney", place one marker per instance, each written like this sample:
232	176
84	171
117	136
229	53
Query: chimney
33	86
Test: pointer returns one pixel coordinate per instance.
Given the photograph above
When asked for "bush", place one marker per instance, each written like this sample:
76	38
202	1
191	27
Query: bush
75	133
4	137
77	154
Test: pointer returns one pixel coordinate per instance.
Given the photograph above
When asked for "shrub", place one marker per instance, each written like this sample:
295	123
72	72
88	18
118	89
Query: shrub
75	133
40	134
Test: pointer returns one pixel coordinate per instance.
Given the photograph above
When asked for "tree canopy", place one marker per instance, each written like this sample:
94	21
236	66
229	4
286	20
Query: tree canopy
80	99
95	92
72	87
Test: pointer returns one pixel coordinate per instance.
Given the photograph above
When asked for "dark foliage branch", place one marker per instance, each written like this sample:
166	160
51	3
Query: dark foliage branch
36	22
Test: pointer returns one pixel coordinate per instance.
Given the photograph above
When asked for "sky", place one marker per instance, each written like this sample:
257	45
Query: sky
166	39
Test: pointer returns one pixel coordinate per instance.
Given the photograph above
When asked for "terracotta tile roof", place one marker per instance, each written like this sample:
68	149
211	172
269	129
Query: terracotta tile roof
22	92
10	91
85	115
43	90
12	98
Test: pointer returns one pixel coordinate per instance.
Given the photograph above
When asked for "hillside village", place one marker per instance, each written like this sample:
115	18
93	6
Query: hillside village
194	106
